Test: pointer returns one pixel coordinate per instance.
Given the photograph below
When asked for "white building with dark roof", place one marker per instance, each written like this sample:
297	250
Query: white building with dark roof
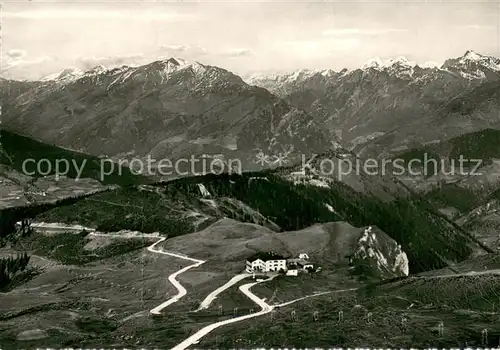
266	262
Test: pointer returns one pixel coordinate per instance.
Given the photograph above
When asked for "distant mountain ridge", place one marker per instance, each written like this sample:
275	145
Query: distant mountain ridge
387	105
469	60
168	108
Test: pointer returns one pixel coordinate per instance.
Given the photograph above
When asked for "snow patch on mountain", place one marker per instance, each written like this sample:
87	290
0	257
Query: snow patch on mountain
198	68
378	63
122	77
429	64
99	69
172	64
399	66
284	78
203	190
68	74
72	74
372	63
330	208
473	75
472	55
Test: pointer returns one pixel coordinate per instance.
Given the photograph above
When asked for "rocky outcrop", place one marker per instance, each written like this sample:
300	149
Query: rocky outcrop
378	254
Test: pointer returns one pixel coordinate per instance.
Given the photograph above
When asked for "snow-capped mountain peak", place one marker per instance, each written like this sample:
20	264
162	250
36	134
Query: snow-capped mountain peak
376	62
473	65
398	66
198	68
302	73
399	60
429	64
282	82
472	55
174	62
328	72
65	75
99	69
285	79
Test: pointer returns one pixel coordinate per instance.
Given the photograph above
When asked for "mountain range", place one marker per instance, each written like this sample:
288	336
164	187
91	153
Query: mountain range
175	108
389	106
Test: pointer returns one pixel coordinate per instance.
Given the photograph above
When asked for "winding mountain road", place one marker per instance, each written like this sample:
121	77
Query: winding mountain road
181	291
213	295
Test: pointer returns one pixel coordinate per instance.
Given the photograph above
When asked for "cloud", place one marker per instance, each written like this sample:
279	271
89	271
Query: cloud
20	67
183	49
16	54
317	47
478	26
237	52
361	31
17	58
109	61
99	14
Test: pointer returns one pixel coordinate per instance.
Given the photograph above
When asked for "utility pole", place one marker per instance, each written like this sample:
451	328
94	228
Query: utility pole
484	336
493	314
403	323
441	328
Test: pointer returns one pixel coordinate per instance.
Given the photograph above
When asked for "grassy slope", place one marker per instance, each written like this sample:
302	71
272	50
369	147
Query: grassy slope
463	304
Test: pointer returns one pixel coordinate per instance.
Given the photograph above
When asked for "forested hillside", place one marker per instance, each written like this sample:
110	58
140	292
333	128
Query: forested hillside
178	207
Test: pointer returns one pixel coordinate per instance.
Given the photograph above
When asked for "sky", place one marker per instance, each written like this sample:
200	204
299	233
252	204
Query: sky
40	38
